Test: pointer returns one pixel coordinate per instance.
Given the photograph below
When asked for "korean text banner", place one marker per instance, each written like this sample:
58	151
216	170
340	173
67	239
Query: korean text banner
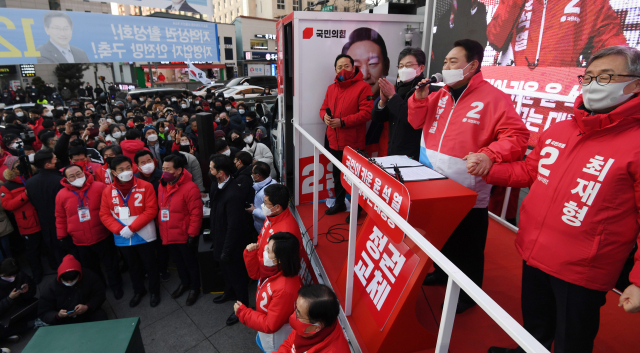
194	6
35	36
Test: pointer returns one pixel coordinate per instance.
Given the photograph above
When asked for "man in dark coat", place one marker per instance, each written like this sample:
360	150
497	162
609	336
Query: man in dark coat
227	232
244	179
89	90
42	189
77	296
17	292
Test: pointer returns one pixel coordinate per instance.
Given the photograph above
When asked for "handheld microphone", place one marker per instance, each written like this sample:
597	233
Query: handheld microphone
328	111
436	78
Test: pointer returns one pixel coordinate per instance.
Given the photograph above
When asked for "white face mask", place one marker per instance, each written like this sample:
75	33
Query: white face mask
248	139
227	152
451	77
597	98
110	121
173	99
32	157
227	108
184	144
407	74
60	108
183	106
17	144
69	284
152	138
9	279
116	135
148	168
19	114
241	111
118	117
48	114
125	176
78	182
267	211
266	260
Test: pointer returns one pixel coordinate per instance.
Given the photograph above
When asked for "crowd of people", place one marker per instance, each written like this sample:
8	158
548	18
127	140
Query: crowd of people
50	94
103	191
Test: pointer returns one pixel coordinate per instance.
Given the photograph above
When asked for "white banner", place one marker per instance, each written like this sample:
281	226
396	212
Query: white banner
194	6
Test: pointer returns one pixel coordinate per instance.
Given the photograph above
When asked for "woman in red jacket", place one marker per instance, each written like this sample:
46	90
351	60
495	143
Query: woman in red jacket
78	215
277	289
315	323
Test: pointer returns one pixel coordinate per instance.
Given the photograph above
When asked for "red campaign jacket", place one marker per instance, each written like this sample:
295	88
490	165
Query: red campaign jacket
351	101
129	149
13	197
185	210
37	127
285	222
67	218
569	26
590	163
102	174
275	298
334	343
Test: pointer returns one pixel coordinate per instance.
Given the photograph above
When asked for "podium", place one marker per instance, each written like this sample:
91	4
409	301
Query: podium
383	316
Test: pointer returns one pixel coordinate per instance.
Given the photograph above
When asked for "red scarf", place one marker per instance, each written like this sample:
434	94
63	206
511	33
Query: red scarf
267	272
125	188
303	344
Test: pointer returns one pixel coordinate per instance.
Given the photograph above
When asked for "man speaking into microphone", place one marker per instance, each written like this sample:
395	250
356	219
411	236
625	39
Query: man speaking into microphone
467	119
346	109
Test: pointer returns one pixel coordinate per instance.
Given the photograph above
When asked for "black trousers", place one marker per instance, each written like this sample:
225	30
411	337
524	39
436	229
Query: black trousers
90	316
187	264
465	247
142	257
556	310
103	251
235	278
339	190
55	253
162	252
33	251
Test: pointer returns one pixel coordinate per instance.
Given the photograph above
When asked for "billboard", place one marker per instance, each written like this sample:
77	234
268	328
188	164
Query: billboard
203	7
536	45
37	36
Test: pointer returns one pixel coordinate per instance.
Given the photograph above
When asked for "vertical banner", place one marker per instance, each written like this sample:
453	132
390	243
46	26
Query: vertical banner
36	36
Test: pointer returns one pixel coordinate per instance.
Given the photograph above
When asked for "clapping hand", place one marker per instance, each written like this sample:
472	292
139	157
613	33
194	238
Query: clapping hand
478	164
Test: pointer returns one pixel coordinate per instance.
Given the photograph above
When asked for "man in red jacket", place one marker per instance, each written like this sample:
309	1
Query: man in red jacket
78	215
346	109
579	222
131	144
179	220
13	197
315	323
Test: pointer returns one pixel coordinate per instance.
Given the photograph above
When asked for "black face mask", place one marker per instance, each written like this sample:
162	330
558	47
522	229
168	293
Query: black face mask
61	130
140	127
224	122
251	123
108	160
186	149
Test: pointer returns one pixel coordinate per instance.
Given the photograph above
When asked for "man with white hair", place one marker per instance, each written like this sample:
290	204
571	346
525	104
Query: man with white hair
579	222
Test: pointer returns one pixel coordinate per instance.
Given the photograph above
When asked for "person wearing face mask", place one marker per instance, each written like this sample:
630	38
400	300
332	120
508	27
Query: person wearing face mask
131	144
258	151
572	249
77	216
227	234
223	148
392	107
103	174
235	140
243	176
315	323
35	122
42	189
242	111
251	120
114	136
128	209
467	119
350	102
261	175
278	285
17	293
192	132
154	143
179	221
77	296
14	127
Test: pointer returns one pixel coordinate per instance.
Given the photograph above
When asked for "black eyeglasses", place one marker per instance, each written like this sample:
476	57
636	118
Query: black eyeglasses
602	79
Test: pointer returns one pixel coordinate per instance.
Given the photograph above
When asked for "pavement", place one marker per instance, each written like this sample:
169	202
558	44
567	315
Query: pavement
172	326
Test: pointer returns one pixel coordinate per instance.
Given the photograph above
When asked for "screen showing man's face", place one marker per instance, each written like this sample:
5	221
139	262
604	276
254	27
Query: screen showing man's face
59	31
368	58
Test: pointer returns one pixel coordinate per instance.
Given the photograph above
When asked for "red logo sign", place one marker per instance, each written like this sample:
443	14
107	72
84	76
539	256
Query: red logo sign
382	271
307	33
384	185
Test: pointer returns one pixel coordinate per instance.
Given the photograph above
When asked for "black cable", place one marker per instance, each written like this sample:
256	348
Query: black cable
431	309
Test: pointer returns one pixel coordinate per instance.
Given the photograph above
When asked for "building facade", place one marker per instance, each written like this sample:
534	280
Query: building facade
256	46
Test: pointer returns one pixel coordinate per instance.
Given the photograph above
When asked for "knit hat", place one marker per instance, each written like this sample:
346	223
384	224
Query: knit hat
11	161
219	134
147	128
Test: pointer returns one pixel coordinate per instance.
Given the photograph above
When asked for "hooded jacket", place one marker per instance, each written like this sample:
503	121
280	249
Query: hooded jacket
351	101
88	291
23	299
569	28
13	197
482	120
129	149
68	201
185	210
579	221
334	343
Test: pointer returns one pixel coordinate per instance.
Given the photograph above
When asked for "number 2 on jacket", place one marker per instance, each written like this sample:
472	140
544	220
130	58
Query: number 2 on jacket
263	303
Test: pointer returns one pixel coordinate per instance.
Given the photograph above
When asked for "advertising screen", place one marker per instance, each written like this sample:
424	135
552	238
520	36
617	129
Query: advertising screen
536	45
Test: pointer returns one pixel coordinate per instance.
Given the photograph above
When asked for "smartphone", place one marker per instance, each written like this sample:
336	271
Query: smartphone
71	312
22	288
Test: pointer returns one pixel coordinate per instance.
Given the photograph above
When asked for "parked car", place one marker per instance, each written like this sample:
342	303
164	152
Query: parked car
26	106
244	92
259	81
202	90
135	94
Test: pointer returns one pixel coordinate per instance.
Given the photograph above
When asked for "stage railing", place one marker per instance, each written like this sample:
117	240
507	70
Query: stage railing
518	96
457	279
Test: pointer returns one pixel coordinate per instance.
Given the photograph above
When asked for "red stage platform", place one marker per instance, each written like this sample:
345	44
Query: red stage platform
474	331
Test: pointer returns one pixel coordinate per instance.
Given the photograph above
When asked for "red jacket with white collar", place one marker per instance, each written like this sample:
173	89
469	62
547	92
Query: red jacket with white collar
579	221
334	343
13	197
275	298
185	210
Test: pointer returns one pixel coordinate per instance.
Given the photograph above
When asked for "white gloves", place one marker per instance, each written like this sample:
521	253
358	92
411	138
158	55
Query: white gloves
126	233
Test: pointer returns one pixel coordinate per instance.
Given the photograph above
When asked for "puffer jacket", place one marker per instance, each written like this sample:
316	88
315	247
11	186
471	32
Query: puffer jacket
351	101
129	149
335	342
68	201
579	221
262	153
13	197
185	210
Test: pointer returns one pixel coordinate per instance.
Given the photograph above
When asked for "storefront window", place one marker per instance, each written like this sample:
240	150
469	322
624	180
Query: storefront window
259	44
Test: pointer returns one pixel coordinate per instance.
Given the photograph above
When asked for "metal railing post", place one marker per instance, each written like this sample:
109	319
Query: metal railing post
505	204
353	229
448	316
316	181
